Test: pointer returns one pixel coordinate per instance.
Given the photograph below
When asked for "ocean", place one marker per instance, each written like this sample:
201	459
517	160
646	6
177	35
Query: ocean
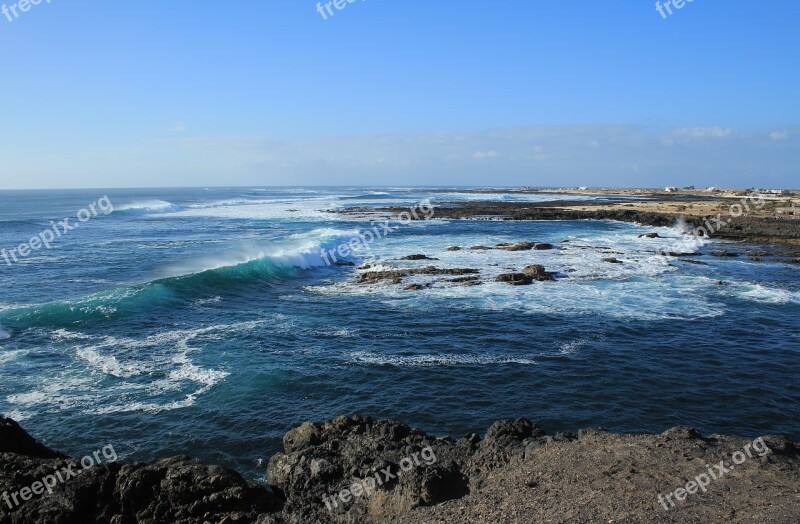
206	321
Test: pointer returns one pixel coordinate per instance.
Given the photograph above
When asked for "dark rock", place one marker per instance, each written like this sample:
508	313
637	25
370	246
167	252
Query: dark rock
612	260
365	448
454	248
467	280
543	247
320	460
417	257
539	273
14	439
676	254
515	279
344	263
649	235
416	287
723	254
480	248
171	490
517	246
396	275
695	262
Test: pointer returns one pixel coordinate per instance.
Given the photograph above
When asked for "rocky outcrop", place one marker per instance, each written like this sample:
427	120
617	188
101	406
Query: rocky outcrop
396	275
516	246
177	489
361	470
515	279
538	272
756	229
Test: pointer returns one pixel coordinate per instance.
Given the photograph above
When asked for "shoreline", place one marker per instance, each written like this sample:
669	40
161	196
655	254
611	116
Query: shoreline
515	473
756	225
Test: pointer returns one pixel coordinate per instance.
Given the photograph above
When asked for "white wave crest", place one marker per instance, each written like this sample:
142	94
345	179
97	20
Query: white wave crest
144	207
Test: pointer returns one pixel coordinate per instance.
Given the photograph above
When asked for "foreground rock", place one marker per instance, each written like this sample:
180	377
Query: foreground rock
171	490
361	470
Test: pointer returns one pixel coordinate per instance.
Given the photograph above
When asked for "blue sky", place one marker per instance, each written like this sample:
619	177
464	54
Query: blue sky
184	93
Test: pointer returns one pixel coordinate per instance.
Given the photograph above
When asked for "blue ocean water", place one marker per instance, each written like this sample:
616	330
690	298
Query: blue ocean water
205	321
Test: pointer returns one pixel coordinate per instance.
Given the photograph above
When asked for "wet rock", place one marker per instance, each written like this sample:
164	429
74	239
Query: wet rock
677	254
543	247
396	275
723	253
454	248
695	262
417	257
515	279
480	248
649	235
344	263
538	272
516	246
416	287
467	280
612	260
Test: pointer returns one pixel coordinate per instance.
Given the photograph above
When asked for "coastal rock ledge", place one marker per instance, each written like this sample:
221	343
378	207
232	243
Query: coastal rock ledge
357	469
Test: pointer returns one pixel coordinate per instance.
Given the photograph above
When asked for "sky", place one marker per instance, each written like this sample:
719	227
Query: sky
606	93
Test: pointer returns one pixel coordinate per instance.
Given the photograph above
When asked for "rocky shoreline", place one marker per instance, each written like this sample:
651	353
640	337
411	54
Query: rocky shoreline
357	469
760	227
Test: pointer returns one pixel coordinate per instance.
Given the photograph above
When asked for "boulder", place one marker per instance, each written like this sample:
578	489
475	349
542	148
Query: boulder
516	246
515	279
539	273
